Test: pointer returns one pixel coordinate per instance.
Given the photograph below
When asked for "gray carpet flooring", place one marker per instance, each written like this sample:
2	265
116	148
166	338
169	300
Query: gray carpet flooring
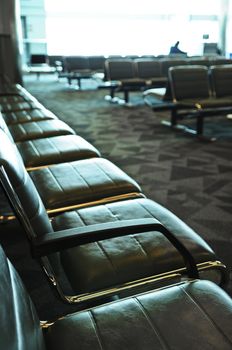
190	177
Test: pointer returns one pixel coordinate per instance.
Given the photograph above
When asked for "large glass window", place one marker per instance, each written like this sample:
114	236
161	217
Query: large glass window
77	27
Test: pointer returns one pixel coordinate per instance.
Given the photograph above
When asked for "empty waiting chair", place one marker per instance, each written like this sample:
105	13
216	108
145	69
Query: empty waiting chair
11	103
28	115
189	83
221	78
52	150
150	70
143	258
120	69
192	91
75	183
76	64
37	130
193	315
190	86
96	63
122	73
167	63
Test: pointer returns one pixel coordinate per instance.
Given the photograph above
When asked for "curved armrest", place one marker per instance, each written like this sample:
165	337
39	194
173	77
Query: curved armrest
60	240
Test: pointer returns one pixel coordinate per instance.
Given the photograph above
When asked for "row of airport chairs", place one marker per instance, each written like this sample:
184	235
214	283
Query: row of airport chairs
195	91
96	235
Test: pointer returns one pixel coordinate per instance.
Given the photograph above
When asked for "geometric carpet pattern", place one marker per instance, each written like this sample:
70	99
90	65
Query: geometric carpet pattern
192	178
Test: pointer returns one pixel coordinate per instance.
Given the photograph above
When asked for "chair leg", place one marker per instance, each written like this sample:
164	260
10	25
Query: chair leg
112	90
79	83
173	117
200	125
126	96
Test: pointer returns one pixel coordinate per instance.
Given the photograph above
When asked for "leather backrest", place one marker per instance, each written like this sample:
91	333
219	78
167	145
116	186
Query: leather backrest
19	323
222	80
75	63
148	68
120	69
189	82
4	127
23	186
166	63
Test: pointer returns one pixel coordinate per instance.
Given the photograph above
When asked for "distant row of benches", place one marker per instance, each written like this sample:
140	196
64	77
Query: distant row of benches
141	74
194	92
117	70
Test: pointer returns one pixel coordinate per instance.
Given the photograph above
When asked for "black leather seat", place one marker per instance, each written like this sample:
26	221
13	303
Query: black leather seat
73	183
122	75
221	78
37	130
52	150
55	150
24	116
193	315
117	261
17	103
150	71
84	181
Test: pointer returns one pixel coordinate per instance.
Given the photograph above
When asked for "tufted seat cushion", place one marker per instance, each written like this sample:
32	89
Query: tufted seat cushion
39	129
17	103
57	149
24	116
122	259
191	315
81	182
14	98
195	315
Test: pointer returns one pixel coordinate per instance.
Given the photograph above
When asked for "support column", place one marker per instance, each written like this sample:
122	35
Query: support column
10	53
223	24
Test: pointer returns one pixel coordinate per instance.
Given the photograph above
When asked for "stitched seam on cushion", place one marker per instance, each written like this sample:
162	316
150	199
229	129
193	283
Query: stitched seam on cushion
41	130
108	176
96	329
22	129
81	218
53	176
75	143
113	214
84	180
204	312
54	146
76	140
152	325
107	256
33	130
34	148
142	248
132	236
147	210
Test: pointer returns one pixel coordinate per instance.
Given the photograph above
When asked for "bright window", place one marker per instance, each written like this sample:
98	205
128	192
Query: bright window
127	27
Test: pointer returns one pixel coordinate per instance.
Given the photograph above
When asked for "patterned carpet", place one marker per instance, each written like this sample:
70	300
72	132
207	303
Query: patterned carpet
190	177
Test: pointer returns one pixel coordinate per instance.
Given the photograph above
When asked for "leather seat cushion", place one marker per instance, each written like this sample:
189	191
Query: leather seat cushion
39	129
33	115
114	261
195	315
11	99
57	149
19	105
80	182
